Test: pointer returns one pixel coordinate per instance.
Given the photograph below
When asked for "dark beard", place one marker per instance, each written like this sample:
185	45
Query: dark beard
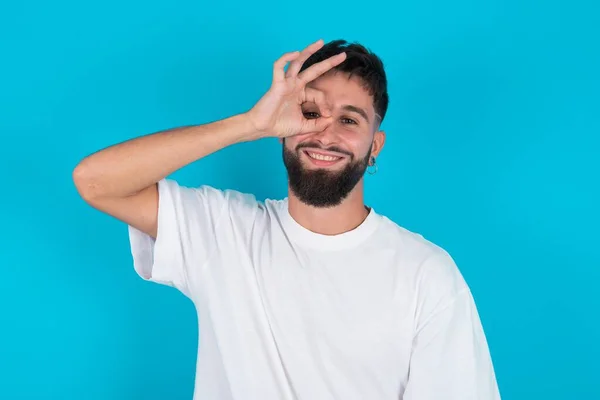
320	187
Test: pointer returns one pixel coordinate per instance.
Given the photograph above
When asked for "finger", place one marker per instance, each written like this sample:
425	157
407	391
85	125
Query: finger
279	65
318	97
318	69
315	125
304	55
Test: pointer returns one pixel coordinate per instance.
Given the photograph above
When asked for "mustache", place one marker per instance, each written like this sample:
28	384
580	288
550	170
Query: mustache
330	148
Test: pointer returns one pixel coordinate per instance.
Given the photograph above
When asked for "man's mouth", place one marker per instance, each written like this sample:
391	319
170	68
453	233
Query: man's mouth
322	159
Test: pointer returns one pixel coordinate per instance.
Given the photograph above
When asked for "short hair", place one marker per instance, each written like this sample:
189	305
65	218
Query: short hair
360	62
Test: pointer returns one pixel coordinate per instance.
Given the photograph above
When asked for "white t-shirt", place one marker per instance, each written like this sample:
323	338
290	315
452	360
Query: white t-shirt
284	313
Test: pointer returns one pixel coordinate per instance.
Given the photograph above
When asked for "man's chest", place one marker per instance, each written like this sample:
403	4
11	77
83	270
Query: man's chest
341	310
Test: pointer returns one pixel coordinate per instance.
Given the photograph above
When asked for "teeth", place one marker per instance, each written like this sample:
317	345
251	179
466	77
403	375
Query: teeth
322	157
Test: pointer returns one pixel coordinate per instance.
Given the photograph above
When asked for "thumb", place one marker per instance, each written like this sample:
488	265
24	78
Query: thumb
316	125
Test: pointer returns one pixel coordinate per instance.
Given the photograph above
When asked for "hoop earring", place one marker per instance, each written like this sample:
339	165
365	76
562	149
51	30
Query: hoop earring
374	165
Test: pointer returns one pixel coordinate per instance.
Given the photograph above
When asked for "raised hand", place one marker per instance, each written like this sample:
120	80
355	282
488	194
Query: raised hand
279	112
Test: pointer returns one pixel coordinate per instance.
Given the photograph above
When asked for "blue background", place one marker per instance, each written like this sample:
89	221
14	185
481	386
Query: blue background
492	153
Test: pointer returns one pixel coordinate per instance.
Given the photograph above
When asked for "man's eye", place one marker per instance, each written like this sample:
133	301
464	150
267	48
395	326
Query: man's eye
348	121
311	114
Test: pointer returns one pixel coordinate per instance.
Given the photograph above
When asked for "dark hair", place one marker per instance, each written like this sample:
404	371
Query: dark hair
359	62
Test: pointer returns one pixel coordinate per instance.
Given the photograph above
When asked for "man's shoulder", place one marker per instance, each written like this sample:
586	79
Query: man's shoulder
408	240
234	196
237	203
425	258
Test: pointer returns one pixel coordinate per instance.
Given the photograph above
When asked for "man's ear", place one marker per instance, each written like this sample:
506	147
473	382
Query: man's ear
378	143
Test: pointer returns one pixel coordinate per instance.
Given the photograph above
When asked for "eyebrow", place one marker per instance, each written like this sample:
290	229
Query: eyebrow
357	110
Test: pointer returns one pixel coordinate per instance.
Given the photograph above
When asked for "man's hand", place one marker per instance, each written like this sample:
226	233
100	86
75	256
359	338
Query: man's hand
279	112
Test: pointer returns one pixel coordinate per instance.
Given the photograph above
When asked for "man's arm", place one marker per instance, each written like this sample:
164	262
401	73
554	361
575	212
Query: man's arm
450	357
121	180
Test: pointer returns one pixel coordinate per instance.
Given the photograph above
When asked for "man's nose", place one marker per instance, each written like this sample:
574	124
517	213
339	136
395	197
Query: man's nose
329	135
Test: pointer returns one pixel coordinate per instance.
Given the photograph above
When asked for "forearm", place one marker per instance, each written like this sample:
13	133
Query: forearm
129	167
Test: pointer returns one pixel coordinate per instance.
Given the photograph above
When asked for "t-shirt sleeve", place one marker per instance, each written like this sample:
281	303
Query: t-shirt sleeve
187	220
450	357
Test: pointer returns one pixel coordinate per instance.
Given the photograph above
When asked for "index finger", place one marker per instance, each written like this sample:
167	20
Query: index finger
304	55
318	69
279	65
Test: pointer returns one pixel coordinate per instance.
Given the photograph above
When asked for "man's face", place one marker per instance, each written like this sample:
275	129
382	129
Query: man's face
323	168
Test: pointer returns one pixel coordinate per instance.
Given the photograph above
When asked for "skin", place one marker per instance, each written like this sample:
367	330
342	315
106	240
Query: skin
121	180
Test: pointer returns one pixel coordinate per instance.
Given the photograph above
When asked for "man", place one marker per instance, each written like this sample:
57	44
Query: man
315	296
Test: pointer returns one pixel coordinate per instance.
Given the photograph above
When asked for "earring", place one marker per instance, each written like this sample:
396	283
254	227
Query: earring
374	165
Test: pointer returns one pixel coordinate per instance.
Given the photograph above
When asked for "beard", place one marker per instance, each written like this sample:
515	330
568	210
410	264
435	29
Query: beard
322	187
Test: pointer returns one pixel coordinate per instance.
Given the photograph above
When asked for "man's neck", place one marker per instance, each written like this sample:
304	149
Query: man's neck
330	220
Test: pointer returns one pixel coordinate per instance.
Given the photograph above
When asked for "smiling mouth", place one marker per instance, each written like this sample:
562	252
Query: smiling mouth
321	157
322	160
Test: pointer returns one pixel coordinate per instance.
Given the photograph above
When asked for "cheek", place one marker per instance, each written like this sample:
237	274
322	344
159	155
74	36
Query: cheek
289	142
358	146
